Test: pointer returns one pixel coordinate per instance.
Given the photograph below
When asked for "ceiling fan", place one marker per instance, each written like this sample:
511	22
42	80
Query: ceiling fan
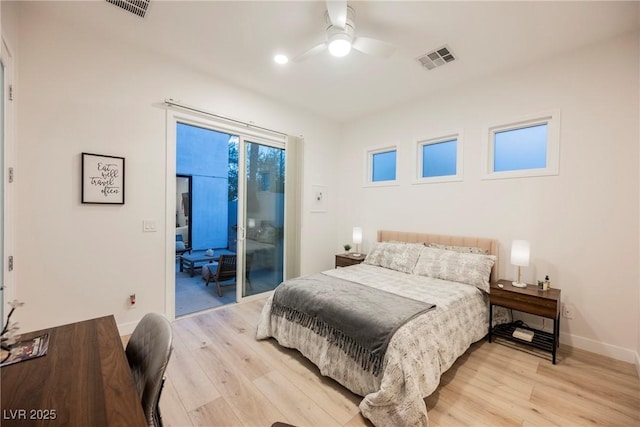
341	35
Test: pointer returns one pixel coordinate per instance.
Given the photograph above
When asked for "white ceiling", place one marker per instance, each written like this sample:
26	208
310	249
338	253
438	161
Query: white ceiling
235	41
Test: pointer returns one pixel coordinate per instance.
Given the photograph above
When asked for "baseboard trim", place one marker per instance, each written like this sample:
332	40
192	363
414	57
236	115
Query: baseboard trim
583	343
127	328
601	348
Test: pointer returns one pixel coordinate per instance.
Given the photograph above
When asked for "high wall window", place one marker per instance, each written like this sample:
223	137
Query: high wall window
439	159
526	147
382	165
520	148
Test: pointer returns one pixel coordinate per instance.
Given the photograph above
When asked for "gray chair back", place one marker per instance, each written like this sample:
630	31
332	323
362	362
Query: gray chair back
148	353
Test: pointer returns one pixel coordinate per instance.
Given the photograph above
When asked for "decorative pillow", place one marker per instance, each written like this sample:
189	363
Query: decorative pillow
395	256
267	235
463	249
180	245
473	269
253	233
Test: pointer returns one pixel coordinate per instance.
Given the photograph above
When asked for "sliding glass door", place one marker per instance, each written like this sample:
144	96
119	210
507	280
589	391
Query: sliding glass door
263	216
234	208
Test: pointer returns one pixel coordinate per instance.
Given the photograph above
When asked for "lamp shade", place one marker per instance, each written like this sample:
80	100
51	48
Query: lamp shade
520	253
357	235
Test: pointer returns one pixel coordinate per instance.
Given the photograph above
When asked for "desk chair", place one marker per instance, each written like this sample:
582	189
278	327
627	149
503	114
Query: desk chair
148	353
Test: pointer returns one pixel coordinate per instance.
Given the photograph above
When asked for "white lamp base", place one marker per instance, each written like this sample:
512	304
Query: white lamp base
519	284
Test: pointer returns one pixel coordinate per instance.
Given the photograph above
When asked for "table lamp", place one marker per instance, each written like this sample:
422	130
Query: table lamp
520	257
357	238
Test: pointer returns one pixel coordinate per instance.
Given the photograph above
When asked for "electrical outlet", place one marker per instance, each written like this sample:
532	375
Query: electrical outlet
132	300
567	311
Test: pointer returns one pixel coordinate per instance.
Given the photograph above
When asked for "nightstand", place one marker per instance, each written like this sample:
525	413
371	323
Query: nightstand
345	260
532	301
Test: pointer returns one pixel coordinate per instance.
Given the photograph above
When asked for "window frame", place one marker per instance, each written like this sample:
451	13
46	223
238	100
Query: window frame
369	153
442	137
551	118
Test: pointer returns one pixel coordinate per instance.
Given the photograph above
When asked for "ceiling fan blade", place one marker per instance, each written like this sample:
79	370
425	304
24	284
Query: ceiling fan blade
313	51
373	47
337	11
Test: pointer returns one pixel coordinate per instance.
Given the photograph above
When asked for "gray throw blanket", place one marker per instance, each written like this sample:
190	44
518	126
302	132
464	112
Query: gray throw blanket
359	319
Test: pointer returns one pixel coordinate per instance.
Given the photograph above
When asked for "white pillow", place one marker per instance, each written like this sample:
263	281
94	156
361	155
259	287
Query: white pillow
373	257
473	269
464	249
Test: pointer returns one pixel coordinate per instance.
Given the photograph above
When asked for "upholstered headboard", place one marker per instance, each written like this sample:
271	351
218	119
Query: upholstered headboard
477	242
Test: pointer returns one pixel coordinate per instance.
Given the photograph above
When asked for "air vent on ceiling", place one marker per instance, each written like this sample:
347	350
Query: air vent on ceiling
436	58
137	7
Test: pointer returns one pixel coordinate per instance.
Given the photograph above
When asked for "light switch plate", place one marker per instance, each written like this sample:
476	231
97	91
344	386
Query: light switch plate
149	226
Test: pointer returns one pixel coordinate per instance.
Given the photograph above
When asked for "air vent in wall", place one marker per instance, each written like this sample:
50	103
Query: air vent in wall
436	58
137	7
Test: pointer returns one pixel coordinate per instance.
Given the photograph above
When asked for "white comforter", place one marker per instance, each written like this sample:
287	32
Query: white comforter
417	355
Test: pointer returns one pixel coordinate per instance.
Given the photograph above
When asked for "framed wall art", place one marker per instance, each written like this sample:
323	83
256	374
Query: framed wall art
102	179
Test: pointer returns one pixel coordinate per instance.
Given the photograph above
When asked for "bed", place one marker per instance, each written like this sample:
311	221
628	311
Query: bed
416	268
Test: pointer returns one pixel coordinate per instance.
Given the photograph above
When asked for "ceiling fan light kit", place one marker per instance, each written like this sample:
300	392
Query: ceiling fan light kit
340	45
341	35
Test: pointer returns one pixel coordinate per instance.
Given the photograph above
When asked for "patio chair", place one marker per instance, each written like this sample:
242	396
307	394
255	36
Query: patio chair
181	247
226	270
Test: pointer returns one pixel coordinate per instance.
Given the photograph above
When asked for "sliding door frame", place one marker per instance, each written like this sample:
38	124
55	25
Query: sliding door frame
245	132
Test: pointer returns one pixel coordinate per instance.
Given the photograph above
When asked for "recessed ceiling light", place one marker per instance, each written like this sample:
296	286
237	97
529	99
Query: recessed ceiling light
281	59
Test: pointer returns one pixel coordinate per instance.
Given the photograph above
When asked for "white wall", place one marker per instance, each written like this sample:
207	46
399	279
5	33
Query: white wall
7	19
638	343
79	92
582	224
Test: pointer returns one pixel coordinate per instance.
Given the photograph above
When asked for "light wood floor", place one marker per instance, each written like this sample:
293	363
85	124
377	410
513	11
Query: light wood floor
219	375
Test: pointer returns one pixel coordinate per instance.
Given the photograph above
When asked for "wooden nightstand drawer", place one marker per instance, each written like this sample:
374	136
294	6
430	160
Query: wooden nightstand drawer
527	303
345	260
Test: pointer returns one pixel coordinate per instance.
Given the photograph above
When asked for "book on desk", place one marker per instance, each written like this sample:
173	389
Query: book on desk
27	349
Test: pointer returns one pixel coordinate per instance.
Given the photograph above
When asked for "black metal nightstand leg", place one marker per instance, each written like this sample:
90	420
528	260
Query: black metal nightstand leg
556	337
490	319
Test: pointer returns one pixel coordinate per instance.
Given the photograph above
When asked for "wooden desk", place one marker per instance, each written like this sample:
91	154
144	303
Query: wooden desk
83	380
